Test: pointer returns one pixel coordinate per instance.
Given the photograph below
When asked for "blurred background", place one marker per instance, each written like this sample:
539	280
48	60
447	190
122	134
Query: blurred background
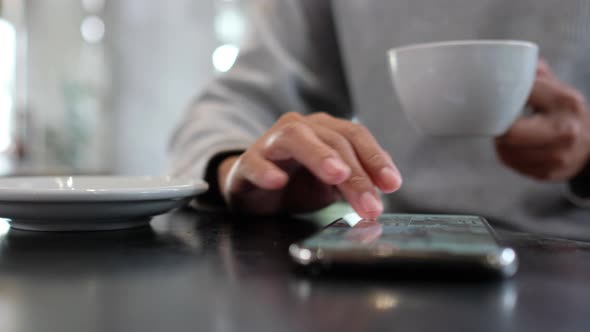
97	86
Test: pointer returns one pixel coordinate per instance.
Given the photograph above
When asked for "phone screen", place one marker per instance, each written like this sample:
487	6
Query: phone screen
452	242
450	234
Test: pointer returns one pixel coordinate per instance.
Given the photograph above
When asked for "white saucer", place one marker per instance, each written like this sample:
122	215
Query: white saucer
91	202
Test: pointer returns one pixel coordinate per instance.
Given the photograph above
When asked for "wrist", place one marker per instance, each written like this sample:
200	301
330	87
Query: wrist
213	197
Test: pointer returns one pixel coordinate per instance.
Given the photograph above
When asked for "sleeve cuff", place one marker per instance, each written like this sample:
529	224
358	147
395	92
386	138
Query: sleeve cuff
583	202
212	200
578	189
205	167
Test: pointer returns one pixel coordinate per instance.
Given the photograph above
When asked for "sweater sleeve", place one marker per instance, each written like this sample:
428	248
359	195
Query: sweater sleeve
289	62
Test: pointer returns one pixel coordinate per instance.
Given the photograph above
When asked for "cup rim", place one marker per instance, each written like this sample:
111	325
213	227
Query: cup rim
454	43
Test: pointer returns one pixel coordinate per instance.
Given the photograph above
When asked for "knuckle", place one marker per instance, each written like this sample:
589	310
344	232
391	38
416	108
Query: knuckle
339	143
320	116
247	164
356	131
275	143
324	152
359	182
290	117
561	160
292	129
556	160
568	132
577	100
377	159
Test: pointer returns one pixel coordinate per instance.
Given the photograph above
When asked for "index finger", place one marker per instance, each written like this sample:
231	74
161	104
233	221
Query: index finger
376	161
296	140
551	95
535	131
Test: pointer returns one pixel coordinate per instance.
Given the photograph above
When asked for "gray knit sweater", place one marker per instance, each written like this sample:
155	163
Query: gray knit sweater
312	55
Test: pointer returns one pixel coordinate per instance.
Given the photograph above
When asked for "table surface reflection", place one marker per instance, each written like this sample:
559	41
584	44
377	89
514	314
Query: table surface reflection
207	272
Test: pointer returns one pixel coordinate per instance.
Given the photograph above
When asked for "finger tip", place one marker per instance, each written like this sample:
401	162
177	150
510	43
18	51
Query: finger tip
396	185
338	178
273	180
370	215
334	171
370	206
391	181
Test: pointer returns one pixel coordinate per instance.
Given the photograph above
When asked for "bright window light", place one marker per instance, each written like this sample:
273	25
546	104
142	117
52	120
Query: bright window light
92	29
7	52
5	119
7	63
224	57
4	226
230	25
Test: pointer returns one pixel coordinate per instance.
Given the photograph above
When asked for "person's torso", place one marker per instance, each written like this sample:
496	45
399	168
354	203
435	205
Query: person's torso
461	175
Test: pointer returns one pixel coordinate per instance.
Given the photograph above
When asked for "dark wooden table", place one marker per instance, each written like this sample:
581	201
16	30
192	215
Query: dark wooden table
201	272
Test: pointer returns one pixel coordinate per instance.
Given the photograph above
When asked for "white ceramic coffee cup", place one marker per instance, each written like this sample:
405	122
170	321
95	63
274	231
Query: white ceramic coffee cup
464	88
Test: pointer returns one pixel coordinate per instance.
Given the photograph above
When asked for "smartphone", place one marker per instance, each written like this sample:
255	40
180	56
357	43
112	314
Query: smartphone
447	242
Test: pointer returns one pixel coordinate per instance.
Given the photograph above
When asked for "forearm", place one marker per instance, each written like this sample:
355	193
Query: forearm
209	130
289	63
